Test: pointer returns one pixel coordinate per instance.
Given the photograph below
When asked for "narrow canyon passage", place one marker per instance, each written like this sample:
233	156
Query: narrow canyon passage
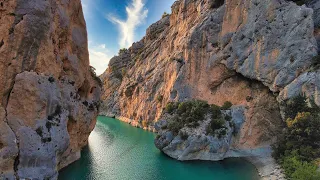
117	150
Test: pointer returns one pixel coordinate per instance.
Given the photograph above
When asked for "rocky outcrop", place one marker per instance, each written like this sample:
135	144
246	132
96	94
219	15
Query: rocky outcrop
49	93
252	53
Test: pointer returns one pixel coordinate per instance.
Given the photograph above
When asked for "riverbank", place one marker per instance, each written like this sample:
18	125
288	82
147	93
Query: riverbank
118	151
131	122
266	166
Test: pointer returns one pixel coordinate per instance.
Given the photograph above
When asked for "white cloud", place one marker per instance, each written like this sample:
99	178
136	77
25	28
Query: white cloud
136	15
99	57
102	46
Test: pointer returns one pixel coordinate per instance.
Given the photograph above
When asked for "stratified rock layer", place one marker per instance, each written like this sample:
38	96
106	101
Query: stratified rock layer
249	52
49	94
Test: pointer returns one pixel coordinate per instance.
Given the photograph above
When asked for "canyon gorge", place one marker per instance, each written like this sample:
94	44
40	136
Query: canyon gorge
255	54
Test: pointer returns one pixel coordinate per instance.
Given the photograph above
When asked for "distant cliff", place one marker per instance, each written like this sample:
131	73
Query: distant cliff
254	54
49	93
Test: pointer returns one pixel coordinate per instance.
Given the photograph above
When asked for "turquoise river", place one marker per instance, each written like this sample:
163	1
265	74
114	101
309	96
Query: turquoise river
118	151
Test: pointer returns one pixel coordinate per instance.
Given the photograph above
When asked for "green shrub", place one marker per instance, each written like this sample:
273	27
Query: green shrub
299	145
228	118
294	106
216	124
222	133
190	113
226	105
296	169
159	98
183	135
123	50
94	76
215	111
175	125
165	14
193	124
171	107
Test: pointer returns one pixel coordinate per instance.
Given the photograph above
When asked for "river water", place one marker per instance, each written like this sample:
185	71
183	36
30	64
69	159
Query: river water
118	151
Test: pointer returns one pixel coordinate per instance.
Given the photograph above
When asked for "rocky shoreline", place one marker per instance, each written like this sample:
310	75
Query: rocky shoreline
266	166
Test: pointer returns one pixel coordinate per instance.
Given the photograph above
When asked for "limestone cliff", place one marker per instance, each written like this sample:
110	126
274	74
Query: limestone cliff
253	53
49	93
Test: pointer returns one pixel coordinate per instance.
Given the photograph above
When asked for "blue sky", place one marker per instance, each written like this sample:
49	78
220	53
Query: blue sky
115	24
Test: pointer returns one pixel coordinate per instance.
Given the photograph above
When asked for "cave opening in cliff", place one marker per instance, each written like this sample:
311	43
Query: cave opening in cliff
217	3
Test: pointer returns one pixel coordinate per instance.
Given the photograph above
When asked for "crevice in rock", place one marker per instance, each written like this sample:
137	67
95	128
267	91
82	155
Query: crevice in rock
16	161
216	4
1	43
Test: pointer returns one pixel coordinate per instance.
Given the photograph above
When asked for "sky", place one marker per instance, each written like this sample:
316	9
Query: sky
116	24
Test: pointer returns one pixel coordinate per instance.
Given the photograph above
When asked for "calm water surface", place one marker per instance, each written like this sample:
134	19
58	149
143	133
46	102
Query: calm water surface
118	151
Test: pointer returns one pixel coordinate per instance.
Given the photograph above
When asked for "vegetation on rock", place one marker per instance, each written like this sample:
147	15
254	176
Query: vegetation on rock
159	98
94	76
226	105
165	14
122	50
299	145
190	113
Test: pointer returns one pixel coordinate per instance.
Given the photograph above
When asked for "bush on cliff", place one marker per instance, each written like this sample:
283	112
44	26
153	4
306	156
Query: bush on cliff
165	14
216	127
299	145
186	113
226	105
189	114
123	50
94	76
299	170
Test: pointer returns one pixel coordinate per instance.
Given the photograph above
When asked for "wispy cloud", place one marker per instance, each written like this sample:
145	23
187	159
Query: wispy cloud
136	15
99	57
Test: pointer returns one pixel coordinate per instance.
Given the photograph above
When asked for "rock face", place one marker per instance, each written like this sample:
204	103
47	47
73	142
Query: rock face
250	52
49	93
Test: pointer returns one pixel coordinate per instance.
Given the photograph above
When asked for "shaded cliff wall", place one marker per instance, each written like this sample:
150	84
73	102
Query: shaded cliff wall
49	94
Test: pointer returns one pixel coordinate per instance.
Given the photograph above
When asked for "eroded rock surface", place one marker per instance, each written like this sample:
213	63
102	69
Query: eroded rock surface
249	52
49	94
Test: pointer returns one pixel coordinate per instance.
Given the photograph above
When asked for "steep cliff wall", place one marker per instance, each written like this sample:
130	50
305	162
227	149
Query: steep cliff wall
49	94
252	53
211	51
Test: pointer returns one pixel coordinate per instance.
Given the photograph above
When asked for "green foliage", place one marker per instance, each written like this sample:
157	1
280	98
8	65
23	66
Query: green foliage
123	50
171	107
296	105
94	76
165	14
216	126
175	125
183	135
215	111
222	132
189	113
228	118
226	105
300	143
296	169
159	98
